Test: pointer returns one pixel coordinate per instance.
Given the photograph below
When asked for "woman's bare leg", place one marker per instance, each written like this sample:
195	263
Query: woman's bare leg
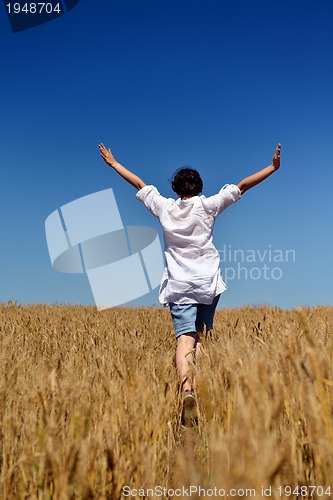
185	358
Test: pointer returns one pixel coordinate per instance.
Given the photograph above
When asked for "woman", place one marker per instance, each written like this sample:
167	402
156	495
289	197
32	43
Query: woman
191	284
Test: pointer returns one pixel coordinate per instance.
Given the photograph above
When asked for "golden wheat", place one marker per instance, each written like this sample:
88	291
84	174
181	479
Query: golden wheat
89	402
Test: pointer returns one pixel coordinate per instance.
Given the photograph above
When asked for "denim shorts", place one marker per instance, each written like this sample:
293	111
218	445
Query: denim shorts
191	318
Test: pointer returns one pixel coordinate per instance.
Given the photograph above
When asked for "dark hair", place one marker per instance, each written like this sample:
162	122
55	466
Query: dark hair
187	182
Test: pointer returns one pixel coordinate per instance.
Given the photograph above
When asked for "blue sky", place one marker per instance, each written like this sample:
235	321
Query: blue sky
211	84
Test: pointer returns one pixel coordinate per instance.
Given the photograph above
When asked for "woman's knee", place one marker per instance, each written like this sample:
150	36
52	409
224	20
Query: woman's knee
188	339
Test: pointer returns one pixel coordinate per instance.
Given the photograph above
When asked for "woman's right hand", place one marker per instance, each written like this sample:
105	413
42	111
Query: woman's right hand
276	158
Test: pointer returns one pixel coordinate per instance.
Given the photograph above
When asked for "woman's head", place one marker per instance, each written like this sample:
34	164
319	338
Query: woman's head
187	182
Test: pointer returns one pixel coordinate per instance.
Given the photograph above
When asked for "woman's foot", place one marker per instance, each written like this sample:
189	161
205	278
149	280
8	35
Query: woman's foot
189	412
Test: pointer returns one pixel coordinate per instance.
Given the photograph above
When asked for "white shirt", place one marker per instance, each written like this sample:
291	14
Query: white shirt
192	273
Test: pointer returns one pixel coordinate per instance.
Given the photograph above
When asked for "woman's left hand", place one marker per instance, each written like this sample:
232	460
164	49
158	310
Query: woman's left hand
107	155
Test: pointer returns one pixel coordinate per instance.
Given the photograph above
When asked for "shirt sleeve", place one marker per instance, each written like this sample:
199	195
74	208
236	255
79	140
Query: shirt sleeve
228	195
151	199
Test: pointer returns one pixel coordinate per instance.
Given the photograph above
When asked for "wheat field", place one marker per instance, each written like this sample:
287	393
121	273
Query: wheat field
90	404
